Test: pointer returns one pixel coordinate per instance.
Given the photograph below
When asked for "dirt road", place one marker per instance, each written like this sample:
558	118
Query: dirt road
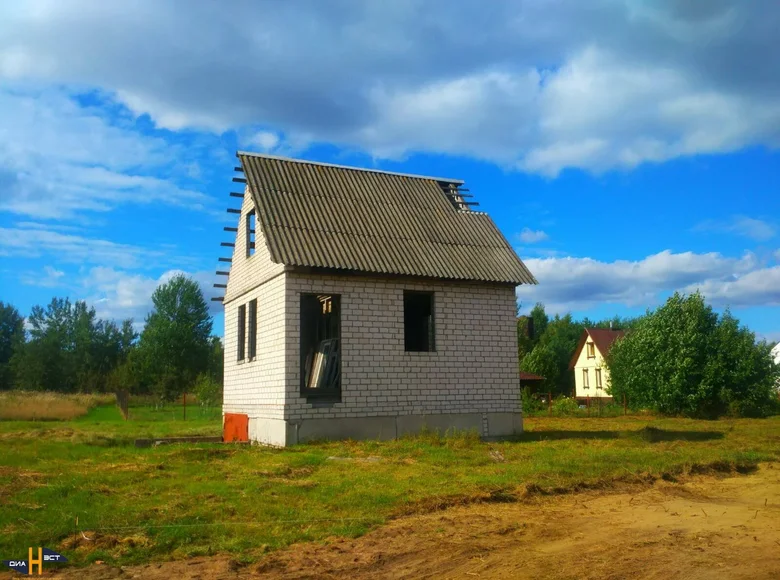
704	528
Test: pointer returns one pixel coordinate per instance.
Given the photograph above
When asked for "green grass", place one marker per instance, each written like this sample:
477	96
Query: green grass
184	500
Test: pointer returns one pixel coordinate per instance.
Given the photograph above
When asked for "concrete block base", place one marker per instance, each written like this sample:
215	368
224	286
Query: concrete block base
281	432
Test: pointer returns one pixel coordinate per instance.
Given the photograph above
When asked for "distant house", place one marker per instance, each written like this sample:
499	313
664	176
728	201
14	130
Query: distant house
366	304
591	375
530	380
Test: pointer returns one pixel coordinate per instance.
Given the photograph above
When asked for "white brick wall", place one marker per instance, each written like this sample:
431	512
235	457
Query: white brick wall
474	368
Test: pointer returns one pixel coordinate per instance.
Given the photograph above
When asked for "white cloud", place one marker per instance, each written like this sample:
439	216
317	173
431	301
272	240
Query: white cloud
58	158
119	294
35	242
758	288
530	236
49	278
265	141
576	283
535	85
755	229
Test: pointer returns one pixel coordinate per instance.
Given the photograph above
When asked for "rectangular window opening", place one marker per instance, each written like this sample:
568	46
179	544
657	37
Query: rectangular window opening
252	329
419	326
598	378
585	384
591	350
321	346
250	233
241	331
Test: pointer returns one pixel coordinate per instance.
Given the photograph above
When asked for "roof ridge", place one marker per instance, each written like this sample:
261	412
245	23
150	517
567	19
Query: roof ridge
353	168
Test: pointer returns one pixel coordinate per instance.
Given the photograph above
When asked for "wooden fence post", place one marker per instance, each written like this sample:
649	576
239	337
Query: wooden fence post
184	405
587	404
625	408
549	403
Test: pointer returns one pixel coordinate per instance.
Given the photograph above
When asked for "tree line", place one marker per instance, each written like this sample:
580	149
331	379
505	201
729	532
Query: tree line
65	347
679	359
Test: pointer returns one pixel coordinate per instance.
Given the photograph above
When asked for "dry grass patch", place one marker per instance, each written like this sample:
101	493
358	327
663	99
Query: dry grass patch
47	406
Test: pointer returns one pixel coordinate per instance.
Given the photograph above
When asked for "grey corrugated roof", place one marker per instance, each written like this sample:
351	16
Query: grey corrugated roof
330	216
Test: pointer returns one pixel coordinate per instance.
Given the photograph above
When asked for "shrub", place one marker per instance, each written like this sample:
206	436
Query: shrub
565	406
208	391
683	359
531	404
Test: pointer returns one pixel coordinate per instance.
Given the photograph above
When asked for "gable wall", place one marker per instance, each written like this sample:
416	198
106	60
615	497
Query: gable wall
591	364
255	387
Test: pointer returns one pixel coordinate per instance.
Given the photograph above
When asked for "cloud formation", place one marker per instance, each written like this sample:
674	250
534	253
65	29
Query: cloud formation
577	283
540	86
530	236
755	229
119	294
59	159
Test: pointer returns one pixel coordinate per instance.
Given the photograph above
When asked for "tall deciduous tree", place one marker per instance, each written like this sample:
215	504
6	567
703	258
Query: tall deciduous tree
174	345
11	340
685	359
70	348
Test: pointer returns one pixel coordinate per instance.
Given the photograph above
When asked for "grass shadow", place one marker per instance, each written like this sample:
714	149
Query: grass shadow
650	434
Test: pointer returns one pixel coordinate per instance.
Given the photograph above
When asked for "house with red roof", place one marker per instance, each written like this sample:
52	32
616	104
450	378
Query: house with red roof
591	375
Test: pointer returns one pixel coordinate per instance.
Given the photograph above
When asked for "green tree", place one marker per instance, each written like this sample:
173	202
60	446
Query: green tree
70	348
11	341
552	353
684	359
174	346
540	321
216	360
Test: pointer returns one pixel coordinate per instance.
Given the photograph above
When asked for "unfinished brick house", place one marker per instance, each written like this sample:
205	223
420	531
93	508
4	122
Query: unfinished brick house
366	304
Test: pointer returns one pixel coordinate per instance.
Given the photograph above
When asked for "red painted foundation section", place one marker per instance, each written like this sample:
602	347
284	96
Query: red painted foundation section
235	427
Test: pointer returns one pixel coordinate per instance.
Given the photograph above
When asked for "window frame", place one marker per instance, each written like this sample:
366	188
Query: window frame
329	394
590	349
252	330
241	333
431	338
599	384
251	232
585	379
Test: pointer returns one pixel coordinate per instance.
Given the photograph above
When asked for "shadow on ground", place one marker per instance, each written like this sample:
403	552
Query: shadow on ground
650	434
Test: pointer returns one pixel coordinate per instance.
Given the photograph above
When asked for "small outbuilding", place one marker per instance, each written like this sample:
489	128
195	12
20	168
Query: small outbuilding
366	304
591	375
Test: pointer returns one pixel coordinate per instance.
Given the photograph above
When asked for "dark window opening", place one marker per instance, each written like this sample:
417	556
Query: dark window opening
419	328
241	331
321	345
252	329
250	233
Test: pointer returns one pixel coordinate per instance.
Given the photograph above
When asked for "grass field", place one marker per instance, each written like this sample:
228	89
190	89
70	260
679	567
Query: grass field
136	505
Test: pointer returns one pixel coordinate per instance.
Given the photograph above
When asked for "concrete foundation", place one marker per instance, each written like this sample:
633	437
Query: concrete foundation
280	432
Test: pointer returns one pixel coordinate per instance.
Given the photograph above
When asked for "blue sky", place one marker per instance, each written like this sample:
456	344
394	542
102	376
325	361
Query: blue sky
627	149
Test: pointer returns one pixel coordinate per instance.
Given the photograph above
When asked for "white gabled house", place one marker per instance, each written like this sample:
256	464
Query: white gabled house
366	304
591	375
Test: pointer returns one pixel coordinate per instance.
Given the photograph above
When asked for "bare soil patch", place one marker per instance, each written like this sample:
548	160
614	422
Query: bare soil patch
703	528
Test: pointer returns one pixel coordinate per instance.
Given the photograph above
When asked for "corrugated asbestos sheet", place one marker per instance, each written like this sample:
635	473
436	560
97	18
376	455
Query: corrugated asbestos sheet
369	221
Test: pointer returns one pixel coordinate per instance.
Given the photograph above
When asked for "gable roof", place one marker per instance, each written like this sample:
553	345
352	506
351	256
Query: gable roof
346	218
603	339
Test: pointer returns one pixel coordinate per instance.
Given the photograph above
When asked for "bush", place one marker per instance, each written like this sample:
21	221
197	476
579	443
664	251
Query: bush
565	406
531	404
208	391
683	359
